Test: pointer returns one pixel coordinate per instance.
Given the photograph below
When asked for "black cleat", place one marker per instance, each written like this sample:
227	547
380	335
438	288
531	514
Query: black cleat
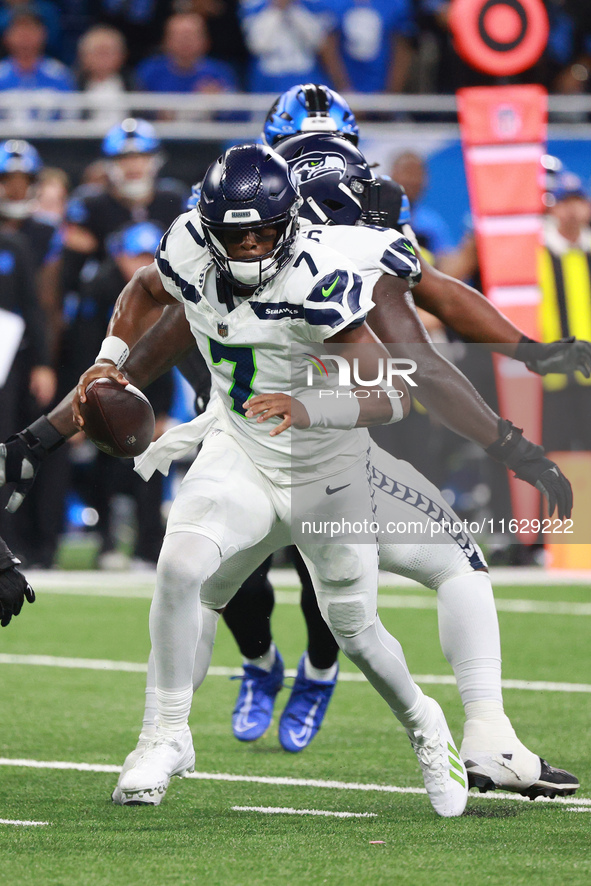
551	783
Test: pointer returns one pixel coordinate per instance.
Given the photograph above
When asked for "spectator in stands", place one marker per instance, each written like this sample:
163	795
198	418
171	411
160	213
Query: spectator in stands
369	48
46	10
432	232
285	38
140	21
184	65
565	280
101	58
225	33
27	68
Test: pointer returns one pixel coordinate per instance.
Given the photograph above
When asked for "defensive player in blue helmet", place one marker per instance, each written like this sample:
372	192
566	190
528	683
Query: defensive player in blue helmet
309	107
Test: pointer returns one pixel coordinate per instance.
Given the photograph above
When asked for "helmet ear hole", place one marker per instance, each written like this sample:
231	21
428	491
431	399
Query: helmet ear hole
333	205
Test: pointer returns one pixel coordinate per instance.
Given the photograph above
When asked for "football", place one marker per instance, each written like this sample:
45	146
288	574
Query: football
119	420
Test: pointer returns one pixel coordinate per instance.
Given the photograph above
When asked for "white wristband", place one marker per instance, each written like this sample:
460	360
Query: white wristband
395	403
336	409
113	349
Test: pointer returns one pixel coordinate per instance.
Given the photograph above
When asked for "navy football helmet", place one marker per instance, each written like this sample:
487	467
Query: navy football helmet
309	107
247	189
335	180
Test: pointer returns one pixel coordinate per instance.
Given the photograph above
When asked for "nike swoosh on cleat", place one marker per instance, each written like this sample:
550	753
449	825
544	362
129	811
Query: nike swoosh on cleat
330	491
242	723
327	292
302	737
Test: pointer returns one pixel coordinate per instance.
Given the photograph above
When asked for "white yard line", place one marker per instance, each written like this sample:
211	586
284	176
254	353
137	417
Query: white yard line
292	598
287	810
26	824
101	664
287	782
288	578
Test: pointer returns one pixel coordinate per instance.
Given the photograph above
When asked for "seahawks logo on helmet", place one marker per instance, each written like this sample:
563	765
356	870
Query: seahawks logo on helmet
314	165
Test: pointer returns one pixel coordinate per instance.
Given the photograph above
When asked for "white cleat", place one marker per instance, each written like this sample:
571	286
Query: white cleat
444	773
146	780
130	760
497	760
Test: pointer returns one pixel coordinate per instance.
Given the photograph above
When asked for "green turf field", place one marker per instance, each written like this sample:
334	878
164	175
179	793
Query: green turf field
90	714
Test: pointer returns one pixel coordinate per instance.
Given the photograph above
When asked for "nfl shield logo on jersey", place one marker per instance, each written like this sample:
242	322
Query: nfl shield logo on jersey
223	330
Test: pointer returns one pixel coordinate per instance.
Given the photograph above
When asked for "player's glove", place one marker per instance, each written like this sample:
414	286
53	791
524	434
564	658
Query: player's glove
529	463
21	456
566	356
14	587
14	590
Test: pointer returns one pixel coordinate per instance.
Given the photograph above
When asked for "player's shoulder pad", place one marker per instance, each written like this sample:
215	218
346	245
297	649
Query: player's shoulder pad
335	297
180	254
395	253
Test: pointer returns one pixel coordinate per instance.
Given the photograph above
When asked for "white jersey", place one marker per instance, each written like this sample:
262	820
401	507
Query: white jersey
248	349
374	251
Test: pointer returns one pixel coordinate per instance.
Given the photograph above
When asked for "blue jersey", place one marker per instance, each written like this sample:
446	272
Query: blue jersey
47	74
366	29
160	74
283	43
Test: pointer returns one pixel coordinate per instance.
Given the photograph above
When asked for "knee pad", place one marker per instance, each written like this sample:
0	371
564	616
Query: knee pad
337	564
347	617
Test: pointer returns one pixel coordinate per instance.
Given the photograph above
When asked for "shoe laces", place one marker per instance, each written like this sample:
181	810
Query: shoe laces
432	755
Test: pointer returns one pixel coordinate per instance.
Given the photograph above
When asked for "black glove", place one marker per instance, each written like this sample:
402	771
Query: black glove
21	456
530	464
566	356
14	590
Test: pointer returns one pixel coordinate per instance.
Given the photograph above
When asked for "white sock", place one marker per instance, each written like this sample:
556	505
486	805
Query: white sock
321	675
174	707
265	662
420	717
469	635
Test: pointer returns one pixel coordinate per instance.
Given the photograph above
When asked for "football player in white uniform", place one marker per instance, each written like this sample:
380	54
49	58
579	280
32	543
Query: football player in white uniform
251	287
454	566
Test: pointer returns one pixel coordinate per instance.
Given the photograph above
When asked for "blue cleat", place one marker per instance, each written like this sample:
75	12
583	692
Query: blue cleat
254	706
305	710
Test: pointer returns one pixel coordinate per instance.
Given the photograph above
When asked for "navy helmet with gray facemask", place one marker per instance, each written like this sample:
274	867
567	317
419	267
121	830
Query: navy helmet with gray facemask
249	188
335	180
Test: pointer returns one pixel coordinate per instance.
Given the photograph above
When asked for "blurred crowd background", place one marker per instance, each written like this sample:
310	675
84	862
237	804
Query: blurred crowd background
79	216
212	46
